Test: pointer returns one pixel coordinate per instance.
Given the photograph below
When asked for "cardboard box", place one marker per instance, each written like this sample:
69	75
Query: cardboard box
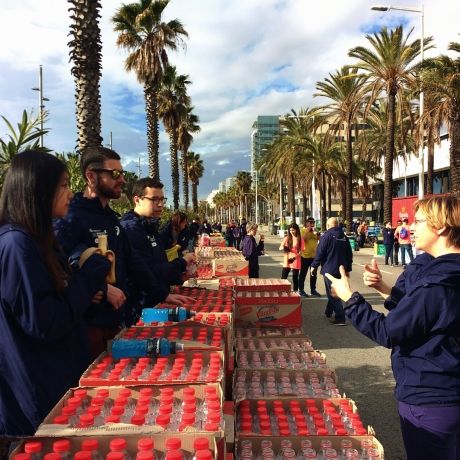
231	266
229	416
95	375
262	284
316	442
250	332
280	384
217	446
280	359
49	428
274	343
313	413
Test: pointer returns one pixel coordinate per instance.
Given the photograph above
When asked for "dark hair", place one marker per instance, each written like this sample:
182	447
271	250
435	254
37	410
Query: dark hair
141	184
290	239
176	219
94	157
27	202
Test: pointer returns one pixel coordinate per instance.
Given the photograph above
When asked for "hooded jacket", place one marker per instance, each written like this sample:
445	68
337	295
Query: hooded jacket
333	250
166	235
423	330
143	236
79	230
43	347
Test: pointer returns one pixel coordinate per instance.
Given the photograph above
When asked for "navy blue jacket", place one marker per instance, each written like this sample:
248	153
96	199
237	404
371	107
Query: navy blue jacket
423	330
251	252
143	236
79	229
43	348
333	250
388	235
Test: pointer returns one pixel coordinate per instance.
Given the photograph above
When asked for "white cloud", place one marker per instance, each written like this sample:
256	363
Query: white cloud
245	58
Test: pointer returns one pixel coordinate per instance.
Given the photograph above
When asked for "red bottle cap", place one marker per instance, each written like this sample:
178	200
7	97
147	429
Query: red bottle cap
83	455
138	419
174	455
90	444
112	419
50	456
145	444
210	426
200	444
144	455
61	420
62	445
173	444
163	420
124	393
117	444
33	447
204	454
115	456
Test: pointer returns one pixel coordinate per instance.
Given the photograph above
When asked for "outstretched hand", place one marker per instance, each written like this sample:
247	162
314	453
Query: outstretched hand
372	276
340	286
179	299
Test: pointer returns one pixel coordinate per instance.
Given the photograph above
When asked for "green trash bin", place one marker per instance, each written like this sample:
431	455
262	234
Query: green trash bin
379	248
353	243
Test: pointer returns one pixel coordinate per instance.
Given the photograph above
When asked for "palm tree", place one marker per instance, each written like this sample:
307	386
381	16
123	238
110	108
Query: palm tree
440	79
172	103
390	68
26	137
243	182
72	161
195	172
86	55
346	90
143	33
188	125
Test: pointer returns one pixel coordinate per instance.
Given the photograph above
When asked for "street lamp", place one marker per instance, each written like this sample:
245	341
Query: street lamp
41	99
410	9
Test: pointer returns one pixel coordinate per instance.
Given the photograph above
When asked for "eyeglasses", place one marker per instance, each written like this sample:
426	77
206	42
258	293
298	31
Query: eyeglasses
114	173
419	221
156	199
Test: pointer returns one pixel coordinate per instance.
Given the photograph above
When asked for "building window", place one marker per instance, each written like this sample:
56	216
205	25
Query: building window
441	182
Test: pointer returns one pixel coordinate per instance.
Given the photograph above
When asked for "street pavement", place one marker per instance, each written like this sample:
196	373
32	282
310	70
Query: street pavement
363	367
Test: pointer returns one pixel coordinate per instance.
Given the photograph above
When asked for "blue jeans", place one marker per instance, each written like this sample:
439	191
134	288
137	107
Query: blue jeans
334	304
430	433
406	248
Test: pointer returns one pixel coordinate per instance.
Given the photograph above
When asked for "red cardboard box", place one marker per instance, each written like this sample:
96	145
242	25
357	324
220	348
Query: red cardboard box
232	266
262	284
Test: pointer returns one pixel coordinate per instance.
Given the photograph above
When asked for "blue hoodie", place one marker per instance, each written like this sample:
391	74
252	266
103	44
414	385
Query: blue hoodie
79	229
333	250
43	348
423	330
143	236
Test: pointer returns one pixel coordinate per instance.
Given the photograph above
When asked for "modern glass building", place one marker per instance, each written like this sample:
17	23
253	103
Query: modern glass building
265	130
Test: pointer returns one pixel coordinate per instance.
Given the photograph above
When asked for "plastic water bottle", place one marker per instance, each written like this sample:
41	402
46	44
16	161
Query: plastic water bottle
92	445
125	348
34	448
119	446
62	447
161	315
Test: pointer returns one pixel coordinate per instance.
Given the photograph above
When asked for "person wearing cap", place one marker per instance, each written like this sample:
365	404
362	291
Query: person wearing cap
307	254
403	234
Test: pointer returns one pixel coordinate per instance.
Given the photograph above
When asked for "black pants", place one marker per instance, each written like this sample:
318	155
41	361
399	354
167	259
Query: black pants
388	253
396	253
295	277
305	265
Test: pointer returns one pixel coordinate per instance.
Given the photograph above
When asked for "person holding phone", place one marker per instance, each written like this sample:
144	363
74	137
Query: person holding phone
292	245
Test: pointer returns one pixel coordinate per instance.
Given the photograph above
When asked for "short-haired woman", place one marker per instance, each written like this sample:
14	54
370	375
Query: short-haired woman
422	329
252	250
43	345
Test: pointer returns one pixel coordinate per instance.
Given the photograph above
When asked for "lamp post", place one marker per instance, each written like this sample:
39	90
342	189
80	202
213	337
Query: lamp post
41	100
410	9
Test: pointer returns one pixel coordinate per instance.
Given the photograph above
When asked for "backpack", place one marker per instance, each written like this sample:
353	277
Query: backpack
403	233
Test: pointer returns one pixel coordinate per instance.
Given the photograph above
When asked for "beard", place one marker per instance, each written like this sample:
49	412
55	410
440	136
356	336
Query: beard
111	193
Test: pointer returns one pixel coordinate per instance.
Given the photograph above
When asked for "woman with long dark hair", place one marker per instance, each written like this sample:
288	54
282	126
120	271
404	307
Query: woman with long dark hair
292	245
176	232
43	346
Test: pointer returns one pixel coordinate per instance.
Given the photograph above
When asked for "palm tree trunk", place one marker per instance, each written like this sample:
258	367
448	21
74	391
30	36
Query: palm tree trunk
151	108
322	194
292	197
86	54
329	195
454	153
389	154
304	205
195	196
185	179
349	181
174	169
430	172
343	194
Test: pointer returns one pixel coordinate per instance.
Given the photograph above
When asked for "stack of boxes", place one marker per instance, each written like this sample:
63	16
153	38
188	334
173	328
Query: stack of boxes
281	401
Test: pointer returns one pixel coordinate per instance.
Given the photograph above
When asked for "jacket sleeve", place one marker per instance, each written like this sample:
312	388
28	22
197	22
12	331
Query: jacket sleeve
69	235
321	251
28	289
409	323
260	247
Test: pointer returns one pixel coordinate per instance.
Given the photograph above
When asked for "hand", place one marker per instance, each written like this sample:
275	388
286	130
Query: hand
190	258
116	297
314	272
179	299
372	276
341	286
98	297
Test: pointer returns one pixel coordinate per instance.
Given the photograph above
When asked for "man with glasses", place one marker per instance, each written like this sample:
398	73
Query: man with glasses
141	227
90	216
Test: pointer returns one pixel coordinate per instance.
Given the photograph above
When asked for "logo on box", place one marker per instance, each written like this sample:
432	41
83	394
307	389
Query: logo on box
267	311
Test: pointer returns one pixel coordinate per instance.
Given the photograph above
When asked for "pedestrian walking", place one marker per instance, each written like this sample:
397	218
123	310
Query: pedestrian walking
388	241
292	245
404	238
252	250
307	254
333	251
422	329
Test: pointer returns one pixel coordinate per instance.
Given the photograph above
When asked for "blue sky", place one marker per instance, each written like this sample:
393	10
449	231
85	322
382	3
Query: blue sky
245	58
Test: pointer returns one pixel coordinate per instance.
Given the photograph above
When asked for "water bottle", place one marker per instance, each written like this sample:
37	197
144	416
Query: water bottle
126	348
161	315
34	448
62	447
92	445
118	447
